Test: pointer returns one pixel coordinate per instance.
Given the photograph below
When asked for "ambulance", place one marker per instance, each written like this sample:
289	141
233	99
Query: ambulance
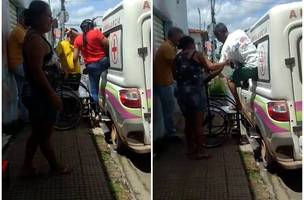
273	105
128	88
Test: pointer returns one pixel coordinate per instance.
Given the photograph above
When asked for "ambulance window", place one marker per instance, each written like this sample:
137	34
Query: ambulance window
115	48
263	59
299	50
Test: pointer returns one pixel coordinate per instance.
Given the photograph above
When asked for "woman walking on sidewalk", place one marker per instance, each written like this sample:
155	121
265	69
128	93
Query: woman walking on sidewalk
38	93
189	65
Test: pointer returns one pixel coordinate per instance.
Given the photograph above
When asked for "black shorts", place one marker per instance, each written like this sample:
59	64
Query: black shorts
40	110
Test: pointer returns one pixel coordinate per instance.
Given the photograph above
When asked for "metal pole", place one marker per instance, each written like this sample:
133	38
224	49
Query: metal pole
199	14
62	22
212	4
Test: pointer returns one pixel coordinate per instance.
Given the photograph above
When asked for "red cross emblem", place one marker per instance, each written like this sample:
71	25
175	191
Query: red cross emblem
262	60
114	49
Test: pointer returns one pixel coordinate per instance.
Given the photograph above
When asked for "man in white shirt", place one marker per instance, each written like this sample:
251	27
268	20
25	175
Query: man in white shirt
238	48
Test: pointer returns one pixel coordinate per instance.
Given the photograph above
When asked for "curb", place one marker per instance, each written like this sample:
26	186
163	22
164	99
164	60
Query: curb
121	178
257	185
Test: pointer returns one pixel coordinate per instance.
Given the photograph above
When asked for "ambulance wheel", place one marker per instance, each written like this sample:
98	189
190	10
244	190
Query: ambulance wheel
117	143
268	161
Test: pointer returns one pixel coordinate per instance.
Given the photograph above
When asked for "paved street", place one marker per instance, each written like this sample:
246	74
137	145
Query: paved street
75	148
283	184
137	168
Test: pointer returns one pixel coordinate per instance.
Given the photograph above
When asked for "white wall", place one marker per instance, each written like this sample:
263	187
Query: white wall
198	40
174	10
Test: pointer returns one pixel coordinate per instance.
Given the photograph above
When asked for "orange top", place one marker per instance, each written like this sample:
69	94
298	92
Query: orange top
163	64
15	46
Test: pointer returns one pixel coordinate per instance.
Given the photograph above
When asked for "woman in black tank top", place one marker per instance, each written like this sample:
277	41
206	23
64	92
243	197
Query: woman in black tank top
188	73
39	95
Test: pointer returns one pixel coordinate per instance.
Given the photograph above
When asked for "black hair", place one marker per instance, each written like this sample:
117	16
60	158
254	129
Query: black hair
23	14
220	28
34	12
85	26
185	41
173	31
74	29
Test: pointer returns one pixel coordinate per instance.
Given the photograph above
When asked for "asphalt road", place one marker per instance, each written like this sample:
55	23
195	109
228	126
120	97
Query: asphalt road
137	169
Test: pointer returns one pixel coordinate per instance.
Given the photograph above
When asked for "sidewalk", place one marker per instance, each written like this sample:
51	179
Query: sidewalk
222	177
75	148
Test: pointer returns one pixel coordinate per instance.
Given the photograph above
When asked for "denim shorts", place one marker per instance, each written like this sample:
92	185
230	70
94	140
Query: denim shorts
40	109
191	99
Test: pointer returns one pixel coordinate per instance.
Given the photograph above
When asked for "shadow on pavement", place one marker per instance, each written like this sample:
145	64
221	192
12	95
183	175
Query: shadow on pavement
140	161
291	178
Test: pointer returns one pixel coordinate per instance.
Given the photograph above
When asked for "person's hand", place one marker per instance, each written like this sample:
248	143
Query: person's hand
227	62
56	102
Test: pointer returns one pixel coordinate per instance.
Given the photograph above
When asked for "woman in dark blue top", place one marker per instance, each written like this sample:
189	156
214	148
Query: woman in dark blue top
189	67
39	94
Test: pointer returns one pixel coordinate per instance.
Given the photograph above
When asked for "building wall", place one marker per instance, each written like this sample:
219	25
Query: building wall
175	11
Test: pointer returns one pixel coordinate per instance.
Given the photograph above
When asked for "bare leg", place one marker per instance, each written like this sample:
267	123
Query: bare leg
30	149
46	147
233	90
189	136
198	124
198	138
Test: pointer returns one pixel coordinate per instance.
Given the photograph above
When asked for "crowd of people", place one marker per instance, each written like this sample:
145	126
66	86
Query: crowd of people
185	72
32	58
34	63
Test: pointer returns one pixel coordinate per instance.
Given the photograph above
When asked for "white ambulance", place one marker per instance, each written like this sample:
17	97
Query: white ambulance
128	87
274	104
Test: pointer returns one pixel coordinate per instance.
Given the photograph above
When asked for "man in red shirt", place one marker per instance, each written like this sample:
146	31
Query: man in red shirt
94	47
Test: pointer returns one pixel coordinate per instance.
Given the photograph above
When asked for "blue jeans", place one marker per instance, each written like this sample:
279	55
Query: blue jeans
19	77
166	96
95	71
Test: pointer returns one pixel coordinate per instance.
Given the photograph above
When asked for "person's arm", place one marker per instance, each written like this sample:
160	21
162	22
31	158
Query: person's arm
211	66
76	56
59	49
20	36
105	45
169	53
35	54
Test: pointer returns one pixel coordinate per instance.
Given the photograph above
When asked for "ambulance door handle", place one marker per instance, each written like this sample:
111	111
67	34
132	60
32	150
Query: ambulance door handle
290	62
142	51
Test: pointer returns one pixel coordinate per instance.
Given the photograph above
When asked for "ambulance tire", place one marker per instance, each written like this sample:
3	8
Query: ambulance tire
266	158
117	143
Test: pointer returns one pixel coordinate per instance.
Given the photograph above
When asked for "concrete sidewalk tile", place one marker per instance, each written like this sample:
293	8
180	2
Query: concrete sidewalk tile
75	148
221	177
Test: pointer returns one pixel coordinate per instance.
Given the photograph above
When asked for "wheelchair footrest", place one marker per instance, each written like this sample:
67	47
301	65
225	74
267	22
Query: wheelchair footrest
104	118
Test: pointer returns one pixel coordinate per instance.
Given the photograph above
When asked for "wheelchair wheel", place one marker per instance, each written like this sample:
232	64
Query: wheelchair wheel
71	113
215	127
